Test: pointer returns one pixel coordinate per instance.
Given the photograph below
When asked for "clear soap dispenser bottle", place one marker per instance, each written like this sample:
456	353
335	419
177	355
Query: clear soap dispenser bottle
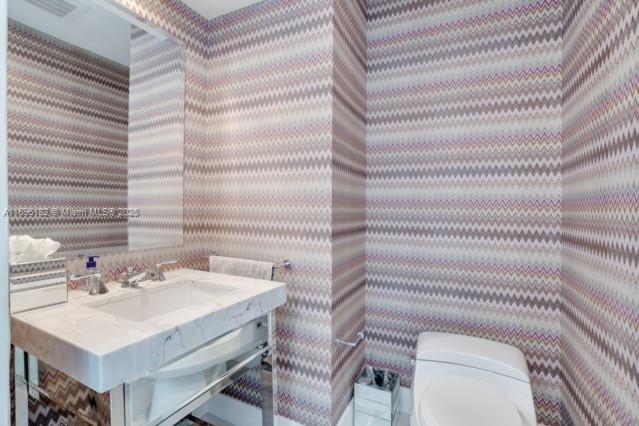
96	285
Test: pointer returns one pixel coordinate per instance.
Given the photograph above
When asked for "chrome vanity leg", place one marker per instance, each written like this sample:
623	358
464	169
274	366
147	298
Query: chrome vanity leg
266	373
117	406
21	388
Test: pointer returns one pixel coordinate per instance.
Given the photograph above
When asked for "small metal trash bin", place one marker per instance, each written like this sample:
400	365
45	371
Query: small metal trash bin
376	398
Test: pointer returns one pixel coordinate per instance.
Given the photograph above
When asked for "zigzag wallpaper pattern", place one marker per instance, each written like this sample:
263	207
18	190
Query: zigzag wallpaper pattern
600	205
258	175
156	138
189	27
470	246
67	136
269	164
79	404
463	195
349	197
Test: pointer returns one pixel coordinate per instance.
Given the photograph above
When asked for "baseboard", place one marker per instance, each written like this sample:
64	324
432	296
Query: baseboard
224	410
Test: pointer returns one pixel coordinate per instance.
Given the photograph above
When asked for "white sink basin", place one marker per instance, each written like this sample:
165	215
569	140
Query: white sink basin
154	302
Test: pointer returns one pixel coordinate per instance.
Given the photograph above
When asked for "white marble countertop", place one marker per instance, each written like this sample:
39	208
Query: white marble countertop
102	350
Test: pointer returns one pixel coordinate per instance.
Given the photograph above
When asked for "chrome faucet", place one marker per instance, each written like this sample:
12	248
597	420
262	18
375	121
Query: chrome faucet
95	280
157	274
131	278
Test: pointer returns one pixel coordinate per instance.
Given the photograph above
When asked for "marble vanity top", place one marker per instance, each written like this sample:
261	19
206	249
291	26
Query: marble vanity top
102	350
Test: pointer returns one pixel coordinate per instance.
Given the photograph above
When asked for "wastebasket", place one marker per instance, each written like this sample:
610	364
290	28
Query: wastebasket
376	398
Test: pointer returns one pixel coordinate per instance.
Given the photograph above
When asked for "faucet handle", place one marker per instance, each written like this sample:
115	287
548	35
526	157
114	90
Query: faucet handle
123	277
159	274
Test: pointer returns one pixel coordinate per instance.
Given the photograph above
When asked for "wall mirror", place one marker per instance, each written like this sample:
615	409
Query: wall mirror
95	127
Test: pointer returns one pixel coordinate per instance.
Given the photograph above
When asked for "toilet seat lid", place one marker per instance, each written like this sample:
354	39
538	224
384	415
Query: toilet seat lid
462	401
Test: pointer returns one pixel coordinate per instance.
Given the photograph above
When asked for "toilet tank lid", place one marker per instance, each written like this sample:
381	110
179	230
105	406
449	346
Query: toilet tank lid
473	352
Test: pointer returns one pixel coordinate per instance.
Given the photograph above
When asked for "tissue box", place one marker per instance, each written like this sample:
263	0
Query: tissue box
38	283
376	398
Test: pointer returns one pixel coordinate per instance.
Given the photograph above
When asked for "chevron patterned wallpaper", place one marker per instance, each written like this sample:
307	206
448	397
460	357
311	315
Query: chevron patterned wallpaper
600	204
67	136
449	115
269	175
80	405
259	171
156	138
189	27
463	195
349	197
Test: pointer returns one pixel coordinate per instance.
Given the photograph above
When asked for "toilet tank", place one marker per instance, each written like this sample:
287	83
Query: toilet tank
439	354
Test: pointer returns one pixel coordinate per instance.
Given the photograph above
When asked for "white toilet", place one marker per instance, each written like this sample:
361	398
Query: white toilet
468	381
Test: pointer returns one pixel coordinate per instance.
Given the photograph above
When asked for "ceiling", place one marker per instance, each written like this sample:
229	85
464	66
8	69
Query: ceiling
88	28
212	8
92	25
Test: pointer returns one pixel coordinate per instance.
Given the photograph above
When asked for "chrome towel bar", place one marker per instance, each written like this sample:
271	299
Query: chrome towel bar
358	339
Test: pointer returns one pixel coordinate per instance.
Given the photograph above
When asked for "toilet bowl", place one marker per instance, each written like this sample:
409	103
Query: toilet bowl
467	381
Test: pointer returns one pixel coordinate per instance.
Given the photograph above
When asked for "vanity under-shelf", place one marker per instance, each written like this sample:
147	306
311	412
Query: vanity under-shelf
193	333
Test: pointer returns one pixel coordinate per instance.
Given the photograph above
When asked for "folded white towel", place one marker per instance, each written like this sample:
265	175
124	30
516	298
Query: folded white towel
241	267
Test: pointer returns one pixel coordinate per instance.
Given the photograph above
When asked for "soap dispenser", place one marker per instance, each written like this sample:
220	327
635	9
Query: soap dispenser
94	277
92	264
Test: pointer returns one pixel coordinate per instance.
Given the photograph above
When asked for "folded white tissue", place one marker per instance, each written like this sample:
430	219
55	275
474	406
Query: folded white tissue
25	248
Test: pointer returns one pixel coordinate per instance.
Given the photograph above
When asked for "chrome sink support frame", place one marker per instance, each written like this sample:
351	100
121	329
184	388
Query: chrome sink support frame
26	385
267	377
